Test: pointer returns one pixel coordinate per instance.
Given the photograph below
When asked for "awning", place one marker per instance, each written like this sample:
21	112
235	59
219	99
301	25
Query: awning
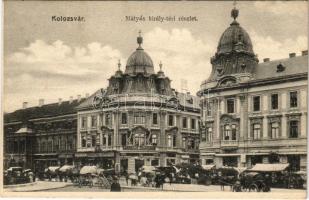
14	168
65	168
269	167
148	169
241	169
208	167
54	168
24	130
88	170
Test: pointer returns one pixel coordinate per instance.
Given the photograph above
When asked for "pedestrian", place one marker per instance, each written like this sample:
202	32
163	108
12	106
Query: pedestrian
115	187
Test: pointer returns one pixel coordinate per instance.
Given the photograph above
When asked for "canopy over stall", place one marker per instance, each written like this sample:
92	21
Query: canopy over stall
65	168
208	167
278	167
88	170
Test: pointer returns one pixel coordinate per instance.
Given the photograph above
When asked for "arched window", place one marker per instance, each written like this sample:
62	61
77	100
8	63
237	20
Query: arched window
169	141
139	139
227	132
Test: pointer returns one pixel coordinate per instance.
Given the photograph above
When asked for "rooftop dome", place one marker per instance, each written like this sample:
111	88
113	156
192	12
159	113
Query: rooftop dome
234	38
139	61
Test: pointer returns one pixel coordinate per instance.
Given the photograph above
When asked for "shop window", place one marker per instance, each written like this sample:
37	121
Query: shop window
274	101
155	118
293	99
256	131
256	103
230	105
123	118
155	162
293	133
184	122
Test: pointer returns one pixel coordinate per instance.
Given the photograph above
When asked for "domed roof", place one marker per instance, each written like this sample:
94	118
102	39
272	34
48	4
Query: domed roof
235	38
139	61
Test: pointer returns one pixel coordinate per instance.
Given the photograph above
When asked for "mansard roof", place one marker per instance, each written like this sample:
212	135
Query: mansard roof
47	110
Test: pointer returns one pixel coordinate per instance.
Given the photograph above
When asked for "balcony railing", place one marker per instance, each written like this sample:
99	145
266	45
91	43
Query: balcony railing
132	147
229	143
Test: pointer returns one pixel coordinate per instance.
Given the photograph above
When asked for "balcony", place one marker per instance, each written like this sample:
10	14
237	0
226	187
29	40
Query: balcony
132	147
229	144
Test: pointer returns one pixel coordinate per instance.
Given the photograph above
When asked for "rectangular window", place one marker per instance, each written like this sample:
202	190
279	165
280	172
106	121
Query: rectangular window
174	140
293	99
293	129
155	162
274	130
208	109
84	141
107	119
93	121
256	103
170	120
193	124
93	140
230	105
208	134
154	118
256	131
123	118
234	132
109	140
227	132
154	139
184	142
274	101
139	118
84	122
104	140
169	141
184	122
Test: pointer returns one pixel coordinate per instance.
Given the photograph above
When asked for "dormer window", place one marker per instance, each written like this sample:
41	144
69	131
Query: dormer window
280	68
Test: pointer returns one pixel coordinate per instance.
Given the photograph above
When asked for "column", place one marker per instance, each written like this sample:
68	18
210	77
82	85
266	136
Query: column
283	101
303	124
265	103
265	127
284	127
163	123
218	119
243	116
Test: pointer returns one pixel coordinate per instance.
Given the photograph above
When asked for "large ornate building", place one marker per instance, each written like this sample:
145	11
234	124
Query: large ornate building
41	136
253	112
138	120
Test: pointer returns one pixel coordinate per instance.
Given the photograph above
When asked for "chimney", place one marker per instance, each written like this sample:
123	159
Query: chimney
304	53
266	59
25	105
87	95
59	101
71	99
292	55
41	102
79	97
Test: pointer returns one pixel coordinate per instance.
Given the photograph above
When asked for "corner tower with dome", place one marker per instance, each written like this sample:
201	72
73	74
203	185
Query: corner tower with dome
138	120
252	111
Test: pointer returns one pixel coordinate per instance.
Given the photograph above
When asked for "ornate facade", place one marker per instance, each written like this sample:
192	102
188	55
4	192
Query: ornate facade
138	120
253	112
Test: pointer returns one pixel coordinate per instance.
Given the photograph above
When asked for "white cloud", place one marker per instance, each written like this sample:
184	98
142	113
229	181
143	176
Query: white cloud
183	56
268	47
292	8
56	70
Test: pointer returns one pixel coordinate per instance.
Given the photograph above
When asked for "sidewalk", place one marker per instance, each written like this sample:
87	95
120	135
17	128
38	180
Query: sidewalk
37	186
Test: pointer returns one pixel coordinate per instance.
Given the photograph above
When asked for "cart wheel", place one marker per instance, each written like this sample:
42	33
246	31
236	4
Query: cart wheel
253	188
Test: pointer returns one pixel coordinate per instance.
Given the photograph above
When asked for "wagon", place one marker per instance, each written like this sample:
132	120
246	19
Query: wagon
252	182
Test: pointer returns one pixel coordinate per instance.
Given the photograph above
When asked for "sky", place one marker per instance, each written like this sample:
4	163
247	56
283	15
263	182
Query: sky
50	59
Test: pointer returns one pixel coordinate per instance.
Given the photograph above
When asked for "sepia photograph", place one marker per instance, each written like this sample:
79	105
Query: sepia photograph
125	98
